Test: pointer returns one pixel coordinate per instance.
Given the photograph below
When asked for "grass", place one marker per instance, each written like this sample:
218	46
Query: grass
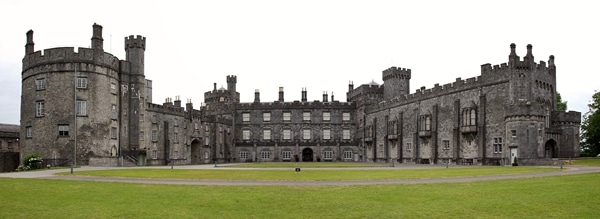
309	165
548	197
585	161
311	174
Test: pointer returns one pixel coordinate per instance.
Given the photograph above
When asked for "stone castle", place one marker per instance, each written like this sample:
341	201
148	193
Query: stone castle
91	107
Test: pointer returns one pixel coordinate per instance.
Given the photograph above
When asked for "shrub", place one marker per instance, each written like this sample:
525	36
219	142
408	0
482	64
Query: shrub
31	162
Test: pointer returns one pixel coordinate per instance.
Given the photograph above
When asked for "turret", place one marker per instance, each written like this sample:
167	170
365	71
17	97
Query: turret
231	81
97	41
396	82
134	52
29	46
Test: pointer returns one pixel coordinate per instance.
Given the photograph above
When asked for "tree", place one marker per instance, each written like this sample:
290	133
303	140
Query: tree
590	127
560	105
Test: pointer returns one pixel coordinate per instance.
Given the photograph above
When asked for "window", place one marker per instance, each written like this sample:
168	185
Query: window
287	133
113	132
154	135
175	123
206	128
245	117
267	134
82	83
28	131
408	146
306	134
141	135
266	117
287	116
328	155
113	88
326	116
306	116
81	107
175	154
497	145
141	117
347	154
425	123
39	108
154	119
243	155
286	155
513	133
154	154
63	130
326	134
473	118
346	134
113	111
245	134
207	142
265	155
446	144
40	84
346	116
176	138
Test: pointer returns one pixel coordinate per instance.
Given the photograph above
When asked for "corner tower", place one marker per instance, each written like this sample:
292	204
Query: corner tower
396	82
133	100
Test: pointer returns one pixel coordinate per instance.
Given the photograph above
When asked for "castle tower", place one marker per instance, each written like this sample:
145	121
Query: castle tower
231	87
134	79
396	82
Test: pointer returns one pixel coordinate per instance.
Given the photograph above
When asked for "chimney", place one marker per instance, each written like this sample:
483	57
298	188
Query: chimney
256	96
303	94
280	94
29	46
177	101
332	97
214	86
97	41
324	96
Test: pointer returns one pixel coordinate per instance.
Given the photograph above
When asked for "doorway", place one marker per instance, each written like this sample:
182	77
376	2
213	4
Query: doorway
513	155
307	155
550	149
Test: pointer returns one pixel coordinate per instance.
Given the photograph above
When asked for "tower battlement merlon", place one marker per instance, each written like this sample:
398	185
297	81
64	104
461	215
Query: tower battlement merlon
135	42
231	79
395	72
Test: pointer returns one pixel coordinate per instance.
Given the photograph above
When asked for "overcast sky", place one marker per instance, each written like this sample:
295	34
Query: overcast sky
320	45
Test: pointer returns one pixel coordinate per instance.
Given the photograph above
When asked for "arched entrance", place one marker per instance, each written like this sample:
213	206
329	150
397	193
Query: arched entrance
550	149
196	147
307	155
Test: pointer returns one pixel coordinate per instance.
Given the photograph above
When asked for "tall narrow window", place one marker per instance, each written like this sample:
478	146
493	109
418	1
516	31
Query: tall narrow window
40	84
39	108
113	88
82	83
81	107
154	135
176	138
154	154
346	134
113	132
28	132
497	145
473	118
446	144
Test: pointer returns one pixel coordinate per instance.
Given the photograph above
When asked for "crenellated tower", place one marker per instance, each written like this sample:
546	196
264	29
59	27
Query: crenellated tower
231	87
396	82
135	84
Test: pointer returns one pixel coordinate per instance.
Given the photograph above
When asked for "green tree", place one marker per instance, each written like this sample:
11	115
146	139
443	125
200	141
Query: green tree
560	105
590	127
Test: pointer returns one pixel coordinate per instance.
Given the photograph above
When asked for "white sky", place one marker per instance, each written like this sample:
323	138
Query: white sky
320	45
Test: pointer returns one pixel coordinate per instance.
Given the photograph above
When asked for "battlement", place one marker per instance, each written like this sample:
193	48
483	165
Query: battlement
166	109
395	72
69	55
135	42
571	117
295	105
231	79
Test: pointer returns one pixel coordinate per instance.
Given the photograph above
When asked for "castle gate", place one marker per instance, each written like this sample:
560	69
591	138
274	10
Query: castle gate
307	154
550	149
196	156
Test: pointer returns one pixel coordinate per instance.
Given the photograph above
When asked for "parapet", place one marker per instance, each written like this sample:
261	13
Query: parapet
135	42
68	55
395	72
231	79
571	117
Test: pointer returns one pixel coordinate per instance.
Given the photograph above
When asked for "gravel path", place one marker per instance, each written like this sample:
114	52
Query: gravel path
50	174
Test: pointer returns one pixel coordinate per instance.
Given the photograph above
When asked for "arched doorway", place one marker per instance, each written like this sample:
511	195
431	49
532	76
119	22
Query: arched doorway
307	154
550	149
196	157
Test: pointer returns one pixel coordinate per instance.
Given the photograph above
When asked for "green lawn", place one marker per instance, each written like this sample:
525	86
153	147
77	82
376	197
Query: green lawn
585	161
571	196
310	165
312	174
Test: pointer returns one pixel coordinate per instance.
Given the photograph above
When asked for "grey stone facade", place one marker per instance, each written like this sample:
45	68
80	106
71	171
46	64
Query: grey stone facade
507	111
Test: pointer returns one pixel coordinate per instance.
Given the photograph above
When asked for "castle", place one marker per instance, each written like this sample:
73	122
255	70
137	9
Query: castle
91	107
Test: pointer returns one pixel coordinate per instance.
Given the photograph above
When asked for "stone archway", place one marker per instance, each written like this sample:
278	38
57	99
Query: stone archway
307	155
195	153
550	149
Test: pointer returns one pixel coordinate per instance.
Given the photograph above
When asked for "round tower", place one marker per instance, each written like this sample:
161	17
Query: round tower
66	97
